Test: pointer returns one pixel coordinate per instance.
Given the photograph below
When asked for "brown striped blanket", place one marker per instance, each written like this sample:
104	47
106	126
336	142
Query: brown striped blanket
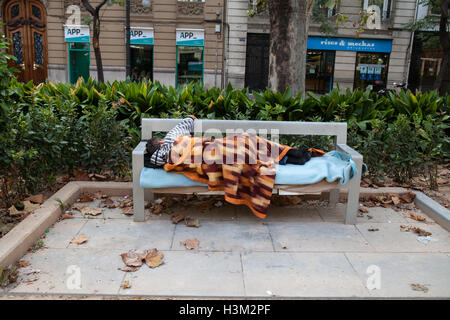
243	166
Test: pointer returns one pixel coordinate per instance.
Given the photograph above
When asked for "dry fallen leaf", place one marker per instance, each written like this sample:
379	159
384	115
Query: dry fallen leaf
108	203
86	198
395	199
29	207
190	243
23	263
66	216
407	197
373	229
419	287
100	195
37	198
125	285
128	269
369	204
419	231
191	222
177	218
158	209
14	212
79	239
133	258
154	258
91	211
416	217
126	203
128	211
79	207
363	209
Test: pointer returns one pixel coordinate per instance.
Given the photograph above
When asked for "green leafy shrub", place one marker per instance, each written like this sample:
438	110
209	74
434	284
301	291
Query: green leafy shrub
53	128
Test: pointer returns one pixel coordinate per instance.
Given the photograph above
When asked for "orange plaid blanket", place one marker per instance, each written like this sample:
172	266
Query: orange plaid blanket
243	166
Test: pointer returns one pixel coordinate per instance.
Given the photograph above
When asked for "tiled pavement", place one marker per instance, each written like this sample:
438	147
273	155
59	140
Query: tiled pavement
296	252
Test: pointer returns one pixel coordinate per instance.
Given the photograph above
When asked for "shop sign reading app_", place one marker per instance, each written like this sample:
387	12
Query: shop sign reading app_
76	33
190	37
143	36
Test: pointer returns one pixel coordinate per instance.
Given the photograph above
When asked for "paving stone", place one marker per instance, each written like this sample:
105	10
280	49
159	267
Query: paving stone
190	273
322	236
127	235
225	236
389	238
399	270
61	233
97	268
289	213
333	214
382	215
227	212
300	275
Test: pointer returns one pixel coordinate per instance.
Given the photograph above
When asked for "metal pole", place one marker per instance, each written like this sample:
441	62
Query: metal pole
127	40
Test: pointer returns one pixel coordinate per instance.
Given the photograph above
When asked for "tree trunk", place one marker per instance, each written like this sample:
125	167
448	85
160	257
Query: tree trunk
289	21
442	82
95	13
97	52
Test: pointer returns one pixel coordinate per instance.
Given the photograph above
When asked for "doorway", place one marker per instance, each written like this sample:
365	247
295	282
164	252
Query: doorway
257	61
26	26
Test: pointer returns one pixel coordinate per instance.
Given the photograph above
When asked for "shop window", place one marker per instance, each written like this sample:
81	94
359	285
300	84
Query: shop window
371	70
384	5
319	71
189	64
141	62
320	10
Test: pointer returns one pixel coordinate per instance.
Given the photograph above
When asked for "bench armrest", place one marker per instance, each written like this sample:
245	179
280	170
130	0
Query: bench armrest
138	161
348	150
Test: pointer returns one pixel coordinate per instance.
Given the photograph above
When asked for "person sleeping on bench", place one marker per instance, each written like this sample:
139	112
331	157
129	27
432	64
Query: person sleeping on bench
158	150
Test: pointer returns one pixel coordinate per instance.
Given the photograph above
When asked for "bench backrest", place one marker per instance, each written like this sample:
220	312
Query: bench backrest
336	129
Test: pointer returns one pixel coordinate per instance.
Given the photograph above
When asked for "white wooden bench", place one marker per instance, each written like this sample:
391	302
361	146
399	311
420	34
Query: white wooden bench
336	129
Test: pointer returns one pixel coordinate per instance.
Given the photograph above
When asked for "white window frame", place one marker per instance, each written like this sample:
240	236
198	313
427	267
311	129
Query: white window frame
383	11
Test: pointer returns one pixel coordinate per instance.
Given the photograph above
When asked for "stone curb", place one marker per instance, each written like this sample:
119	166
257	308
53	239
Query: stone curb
439	213
15	244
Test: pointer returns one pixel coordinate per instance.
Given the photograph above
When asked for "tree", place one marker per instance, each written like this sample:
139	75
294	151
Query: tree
95	14
289	23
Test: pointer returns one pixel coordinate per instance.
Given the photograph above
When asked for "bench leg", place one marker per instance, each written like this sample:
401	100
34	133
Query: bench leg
334	197
138	204
353	195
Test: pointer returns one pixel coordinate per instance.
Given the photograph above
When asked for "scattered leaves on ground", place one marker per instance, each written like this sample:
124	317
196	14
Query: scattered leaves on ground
79	239
192	222
419	231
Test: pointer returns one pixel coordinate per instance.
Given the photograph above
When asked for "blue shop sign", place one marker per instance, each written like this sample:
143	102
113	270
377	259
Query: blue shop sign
350	44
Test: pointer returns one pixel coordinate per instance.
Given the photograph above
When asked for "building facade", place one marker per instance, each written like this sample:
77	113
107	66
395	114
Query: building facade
377	58
171	41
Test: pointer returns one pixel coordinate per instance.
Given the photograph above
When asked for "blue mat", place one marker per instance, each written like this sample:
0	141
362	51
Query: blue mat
332	166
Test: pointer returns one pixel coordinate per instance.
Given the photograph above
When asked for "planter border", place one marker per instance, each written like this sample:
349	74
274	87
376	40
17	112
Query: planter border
15	244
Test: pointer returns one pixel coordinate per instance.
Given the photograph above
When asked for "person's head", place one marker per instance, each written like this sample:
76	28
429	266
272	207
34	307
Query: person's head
153	144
